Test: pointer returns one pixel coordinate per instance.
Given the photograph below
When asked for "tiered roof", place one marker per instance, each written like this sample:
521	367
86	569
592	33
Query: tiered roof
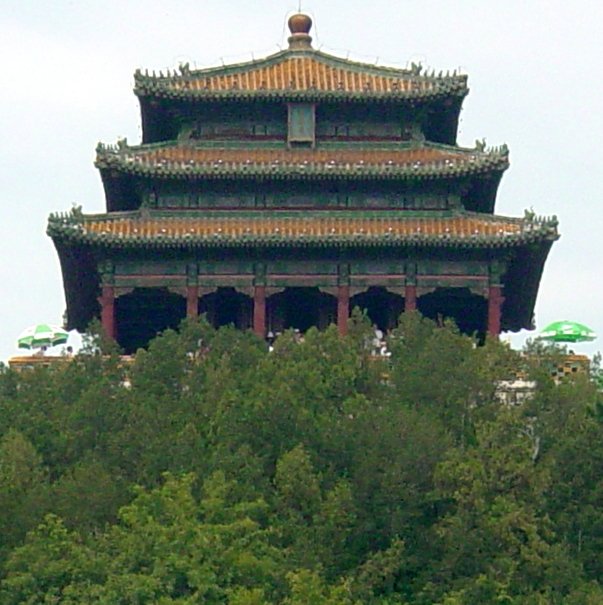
261	228
301	73
296	75
406	161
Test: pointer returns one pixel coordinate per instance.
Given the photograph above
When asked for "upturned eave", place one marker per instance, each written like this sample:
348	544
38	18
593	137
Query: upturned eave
294	75
412	161
261	229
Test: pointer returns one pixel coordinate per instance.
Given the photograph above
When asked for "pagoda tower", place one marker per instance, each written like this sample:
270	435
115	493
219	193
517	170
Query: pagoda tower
282	192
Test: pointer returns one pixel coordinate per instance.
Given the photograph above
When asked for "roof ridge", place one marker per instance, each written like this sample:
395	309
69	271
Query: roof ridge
184	72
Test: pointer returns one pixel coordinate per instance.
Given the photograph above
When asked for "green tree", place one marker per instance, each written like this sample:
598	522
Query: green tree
23	480
167	548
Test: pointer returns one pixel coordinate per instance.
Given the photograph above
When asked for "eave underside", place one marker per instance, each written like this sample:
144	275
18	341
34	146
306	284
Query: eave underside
521	248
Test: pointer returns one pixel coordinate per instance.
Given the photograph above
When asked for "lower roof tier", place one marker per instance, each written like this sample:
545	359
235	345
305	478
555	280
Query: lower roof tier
260	228
86	242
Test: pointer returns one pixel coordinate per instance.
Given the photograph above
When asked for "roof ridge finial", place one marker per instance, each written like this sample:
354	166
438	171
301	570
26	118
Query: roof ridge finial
299	26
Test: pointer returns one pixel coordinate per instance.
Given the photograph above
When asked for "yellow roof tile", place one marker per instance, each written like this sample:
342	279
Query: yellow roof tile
298	226
303	73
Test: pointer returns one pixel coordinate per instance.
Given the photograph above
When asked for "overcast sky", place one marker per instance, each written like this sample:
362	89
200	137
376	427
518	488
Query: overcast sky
534	71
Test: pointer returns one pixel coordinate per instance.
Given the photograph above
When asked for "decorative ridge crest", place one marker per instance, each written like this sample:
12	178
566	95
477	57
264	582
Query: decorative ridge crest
294	72
183	71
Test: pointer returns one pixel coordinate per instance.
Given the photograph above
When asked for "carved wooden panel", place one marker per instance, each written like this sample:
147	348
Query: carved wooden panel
354	290
205	290
296	267
378	280
453	281
443	267
223	281
270	291
301	281
150	281
151	268
377	268
301	123
122	291
180	291
225	268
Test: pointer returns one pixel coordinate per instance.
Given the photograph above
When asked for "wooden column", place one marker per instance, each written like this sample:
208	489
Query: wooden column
192	301
107	303
343	309
495	301
410	298
259	310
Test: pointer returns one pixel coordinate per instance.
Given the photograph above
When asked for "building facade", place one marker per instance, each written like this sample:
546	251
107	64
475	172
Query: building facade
282	192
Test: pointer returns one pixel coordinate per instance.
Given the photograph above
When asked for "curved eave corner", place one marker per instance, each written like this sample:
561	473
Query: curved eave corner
522	282
294	75
80	282
114	161
128	233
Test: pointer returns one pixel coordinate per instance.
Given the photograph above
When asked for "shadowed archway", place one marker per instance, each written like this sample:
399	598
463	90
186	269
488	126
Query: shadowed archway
144	313
468	310
301	308
382	306
227	306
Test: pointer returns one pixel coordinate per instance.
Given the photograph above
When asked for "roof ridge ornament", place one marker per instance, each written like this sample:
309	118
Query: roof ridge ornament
299	26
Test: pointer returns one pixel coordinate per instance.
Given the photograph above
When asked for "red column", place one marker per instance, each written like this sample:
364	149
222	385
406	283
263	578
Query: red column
343	309
107	303
410	298
495	301
259	311
192	301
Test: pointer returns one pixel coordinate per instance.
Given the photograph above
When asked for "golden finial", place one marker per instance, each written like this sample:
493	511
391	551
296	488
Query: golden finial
299	26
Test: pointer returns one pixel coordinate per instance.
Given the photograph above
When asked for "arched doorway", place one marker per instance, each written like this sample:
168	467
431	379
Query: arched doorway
227	306
382	306
301	309
468	310
144	313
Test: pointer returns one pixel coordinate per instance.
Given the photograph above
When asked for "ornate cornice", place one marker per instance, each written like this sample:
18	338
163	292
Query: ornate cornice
260	228
405	161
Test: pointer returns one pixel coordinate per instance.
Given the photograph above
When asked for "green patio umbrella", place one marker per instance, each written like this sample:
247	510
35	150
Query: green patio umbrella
42	335
567	331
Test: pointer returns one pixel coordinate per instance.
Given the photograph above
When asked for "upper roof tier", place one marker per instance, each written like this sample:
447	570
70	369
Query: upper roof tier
301	73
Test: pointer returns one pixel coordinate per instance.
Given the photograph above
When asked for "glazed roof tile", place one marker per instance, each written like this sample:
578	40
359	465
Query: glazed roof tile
293	229
411	161
294	75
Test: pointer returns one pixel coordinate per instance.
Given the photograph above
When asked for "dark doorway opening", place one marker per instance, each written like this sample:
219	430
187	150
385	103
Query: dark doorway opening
382	306
226	306
301	309
468	310
144	313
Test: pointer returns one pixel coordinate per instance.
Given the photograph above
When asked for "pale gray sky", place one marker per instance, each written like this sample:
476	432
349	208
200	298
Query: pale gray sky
534	71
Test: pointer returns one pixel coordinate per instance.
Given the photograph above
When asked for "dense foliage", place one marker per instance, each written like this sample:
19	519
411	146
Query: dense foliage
209	470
